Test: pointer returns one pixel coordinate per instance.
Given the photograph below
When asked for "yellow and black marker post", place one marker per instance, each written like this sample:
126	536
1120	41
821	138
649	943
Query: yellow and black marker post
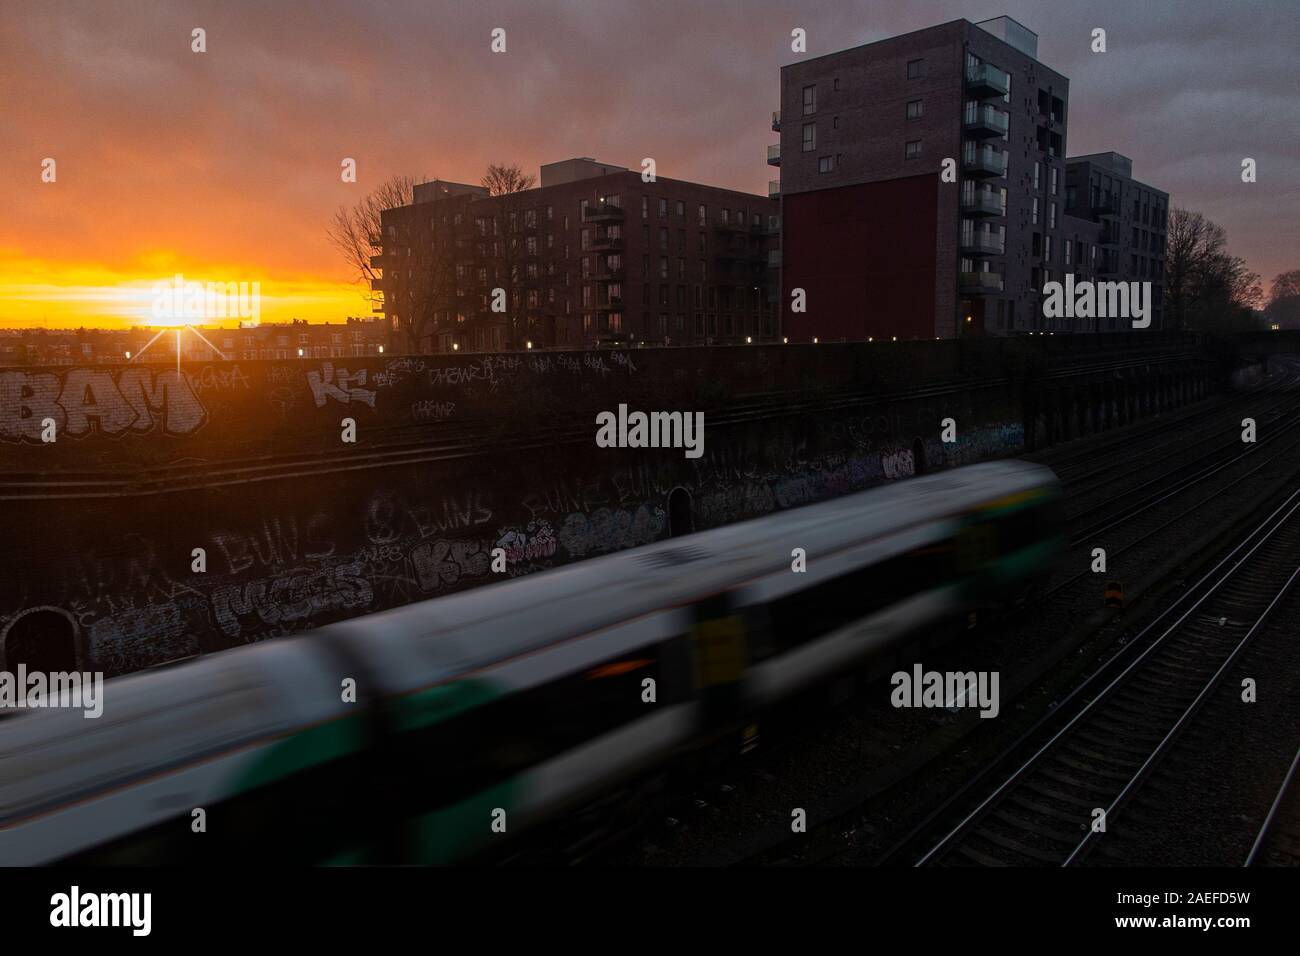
1114	594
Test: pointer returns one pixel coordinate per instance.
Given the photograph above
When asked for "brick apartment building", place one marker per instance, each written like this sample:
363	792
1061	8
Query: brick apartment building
880	244
591	256
1119	227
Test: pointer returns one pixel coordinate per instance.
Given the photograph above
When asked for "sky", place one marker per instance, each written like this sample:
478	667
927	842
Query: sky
224	166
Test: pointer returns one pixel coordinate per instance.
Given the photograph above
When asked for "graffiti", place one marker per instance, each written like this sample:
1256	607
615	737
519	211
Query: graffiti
624	359
140	637
484	370
340	385
297	596
219	377
898	464
992	441
386	520
278	543
533	543
443	563
432	411
561	496
136	399
608	529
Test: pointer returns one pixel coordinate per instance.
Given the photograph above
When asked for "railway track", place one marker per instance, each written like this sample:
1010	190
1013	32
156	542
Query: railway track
1278	840
1094	751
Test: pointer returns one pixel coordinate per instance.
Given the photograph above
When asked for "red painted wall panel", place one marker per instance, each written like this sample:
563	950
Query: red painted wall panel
865	256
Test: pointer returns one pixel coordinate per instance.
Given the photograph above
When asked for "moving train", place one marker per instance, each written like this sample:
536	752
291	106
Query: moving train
432	732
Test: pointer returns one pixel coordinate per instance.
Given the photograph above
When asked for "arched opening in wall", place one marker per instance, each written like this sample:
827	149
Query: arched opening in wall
43	639
918	457
680	520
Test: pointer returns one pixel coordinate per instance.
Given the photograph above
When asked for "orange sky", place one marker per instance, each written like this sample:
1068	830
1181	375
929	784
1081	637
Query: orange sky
224	166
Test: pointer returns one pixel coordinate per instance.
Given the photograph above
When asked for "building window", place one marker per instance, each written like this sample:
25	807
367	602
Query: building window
1038	175
809	138
914	109
1069	252
645	207
1051	215
681	209
825	164
809	100
915	69
1047	248
913	149
835	122
1033	211
703	214
1054	179
835	84
663	207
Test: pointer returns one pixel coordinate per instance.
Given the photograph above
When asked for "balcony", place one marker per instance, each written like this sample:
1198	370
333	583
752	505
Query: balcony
981	244
602	212
984	121
982	202
980	283
606	243
985	81
776	121
1106	206
613	304
774	189
985	162
774	155
608	275
774	258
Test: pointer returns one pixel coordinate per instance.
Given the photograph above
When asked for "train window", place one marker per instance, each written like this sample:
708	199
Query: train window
495	741
815	611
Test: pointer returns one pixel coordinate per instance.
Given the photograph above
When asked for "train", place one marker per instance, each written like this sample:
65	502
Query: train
433	732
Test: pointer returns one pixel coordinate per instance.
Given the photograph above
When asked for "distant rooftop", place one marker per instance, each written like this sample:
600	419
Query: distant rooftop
442	189
571	170
1011	32
1119	164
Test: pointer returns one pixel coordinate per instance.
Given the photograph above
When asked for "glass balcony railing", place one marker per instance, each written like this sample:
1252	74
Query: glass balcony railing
774	155
981	202
776	121
773	188
985	162
980	283
981	244
986	80
984	120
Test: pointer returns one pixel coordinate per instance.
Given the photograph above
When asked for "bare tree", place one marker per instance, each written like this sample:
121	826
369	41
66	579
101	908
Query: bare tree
514	232
1205	287
1283	309
502	180
405	258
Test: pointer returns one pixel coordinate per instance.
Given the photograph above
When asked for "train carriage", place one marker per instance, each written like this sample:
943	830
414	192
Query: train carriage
496	707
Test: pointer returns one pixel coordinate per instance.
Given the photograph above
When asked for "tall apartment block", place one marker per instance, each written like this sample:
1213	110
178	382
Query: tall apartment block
592	256
1119	228
880	243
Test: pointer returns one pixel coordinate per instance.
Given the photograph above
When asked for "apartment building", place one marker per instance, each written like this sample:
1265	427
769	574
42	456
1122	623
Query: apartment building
1130	223
592	256
923	186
